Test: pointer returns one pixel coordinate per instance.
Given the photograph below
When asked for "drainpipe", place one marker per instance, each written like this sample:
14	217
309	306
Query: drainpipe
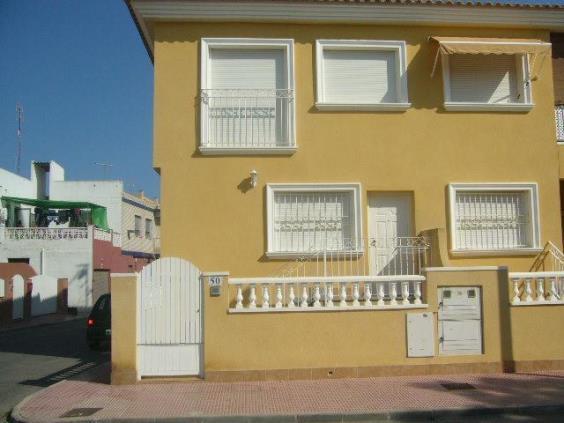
43	261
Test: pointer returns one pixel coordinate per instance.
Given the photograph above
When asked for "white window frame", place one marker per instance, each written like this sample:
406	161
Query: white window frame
398	47
286	45
530	188
271	189
523	83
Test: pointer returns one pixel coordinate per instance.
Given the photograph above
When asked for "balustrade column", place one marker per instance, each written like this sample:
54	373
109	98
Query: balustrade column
239	297
540	291
278	297
405	293
253	297
367	295
356	295
516	299
417	293
291	297
316	296
329	295
528	291
304	298
553	295
265	296
343	296
393	294
380	295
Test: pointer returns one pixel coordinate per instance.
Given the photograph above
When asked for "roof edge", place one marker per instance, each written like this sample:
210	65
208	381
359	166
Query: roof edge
382	12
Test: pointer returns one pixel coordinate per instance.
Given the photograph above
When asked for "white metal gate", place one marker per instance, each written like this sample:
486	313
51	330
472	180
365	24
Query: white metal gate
18	288
169	322
460	320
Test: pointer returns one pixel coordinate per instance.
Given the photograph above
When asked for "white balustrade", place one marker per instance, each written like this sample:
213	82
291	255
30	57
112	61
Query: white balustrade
318	293
54	234
102	235
537	288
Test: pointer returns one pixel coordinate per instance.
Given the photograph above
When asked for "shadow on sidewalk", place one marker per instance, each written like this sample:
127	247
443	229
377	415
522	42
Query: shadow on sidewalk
494	391
97	371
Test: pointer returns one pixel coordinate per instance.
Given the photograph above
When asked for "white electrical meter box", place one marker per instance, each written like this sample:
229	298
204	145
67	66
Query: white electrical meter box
420	335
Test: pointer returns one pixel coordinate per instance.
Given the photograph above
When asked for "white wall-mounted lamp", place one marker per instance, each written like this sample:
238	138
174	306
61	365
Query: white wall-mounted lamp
254	178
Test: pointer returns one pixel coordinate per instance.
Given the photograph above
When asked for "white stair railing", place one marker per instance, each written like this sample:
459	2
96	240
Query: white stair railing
549	259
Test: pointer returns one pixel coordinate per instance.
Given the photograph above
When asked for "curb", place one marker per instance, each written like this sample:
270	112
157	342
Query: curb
407	415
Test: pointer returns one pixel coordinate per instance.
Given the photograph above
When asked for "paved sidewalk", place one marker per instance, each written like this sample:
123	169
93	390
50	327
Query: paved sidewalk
345	399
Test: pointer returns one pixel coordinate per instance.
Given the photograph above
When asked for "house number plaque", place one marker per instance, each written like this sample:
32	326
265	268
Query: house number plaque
215	285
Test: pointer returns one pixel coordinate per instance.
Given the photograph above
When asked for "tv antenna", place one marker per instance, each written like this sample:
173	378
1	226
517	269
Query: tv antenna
20	119
106	166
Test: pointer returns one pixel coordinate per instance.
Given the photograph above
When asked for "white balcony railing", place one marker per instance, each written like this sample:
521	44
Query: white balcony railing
537	288
384	277
45	233
559	115
247	120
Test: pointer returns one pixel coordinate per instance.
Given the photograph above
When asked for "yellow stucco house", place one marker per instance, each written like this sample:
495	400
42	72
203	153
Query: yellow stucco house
349	189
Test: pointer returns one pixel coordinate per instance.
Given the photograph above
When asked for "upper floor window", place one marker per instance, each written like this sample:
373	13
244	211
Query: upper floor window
138	223
148	228
247	96
488	74
308	218
494	217
361	75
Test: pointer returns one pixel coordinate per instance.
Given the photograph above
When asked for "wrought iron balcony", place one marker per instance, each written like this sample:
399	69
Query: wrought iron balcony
247	121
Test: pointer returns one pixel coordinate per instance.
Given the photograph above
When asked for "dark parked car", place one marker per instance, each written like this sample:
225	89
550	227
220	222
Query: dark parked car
99	331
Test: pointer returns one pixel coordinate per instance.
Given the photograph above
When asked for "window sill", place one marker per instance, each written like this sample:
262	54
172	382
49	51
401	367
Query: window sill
279	255
453	106
244	151
495	253
376	107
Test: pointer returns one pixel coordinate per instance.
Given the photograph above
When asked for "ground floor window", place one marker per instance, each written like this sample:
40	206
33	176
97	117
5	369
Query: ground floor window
304	218
494	217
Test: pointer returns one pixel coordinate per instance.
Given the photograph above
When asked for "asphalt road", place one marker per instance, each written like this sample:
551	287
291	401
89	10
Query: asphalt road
36	357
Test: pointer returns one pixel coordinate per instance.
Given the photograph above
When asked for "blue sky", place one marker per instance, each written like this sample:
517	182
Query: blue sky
81	72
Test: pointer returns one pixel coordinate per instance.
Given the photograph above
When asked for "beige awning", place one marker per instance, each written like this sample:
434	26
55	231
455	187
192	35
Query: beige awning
464	45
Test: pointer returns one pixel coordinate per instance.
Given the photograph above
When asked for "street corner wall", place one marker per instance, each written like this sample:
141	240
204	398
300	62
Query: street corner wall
313	345
537	337
124	328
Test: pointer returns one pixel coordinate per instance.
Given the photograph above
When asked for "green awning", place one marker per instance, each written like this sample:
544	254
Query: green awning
99	213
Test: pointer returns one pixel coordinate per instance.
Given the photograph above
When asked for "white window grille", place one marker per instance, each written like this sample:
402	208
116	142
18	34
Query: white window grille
247	96
559	115
494	218
361	74
306	219
486	81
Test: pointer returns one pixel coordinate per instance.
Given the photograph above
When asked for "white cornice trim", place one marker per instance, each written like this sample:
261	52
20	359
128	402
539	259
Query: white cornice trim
152	10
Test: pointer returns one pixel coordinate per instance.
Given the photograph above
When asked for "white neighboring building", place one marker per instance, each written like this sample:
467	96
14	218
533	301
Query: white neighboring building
76	253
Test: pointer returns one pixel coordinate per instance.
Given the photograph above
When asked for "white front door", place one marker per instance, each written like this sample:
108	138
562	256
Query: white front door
18	297
460	320
389	219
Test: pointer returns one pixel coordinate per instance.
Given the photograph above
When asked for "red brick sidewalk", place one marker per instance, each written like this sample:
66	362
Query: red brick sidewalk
340	397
